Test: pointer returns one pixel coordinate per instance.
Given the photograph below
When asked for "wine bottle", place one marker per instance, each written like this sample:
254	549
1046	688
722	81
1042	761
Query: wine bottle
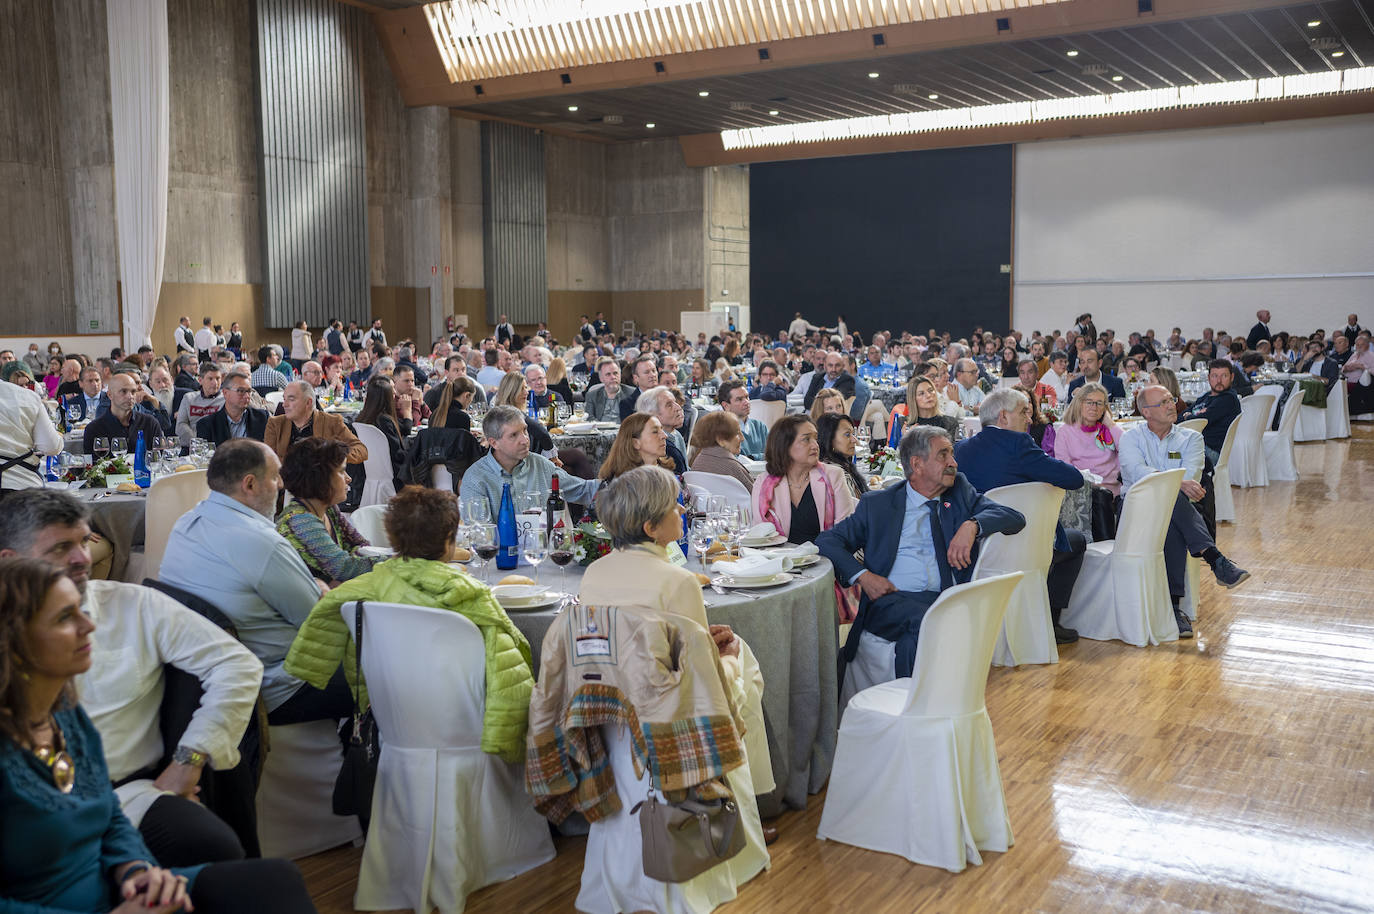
142	478
553	508
507	533
682	543
551	418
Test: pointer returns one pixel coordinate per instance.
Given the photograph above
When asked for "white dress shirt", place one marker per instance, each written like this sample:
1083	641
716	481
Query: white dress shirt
24	425
138	630
205	339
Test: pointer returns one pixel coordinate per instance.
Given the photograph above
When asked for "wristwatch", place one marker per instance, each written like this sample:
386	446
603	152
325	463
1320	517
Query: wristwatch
185	755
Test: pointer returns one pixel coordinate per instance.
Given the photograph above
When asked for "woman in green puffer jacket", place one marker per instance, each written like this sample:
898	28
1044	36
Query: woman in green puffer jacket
421	524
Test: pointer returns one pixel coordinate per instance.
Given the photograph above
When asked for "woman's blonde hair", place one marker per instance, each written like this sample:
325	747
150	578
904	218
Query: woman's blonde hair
818	404
558	370
508	391
624	456
1073	415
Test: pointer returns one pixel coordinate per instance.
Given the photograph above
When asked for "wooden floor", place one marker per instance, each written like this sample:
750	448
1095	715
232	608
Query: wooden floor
1233	772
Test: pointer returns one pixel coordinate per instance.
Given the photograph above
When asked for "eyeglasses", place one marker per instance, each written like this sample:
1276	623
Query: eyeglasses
1163	402
1099	403
237	390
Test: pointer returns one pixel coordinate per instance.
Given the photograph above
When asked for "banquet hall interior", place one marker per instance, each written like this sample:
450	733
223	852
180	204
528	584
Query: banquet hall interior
656	177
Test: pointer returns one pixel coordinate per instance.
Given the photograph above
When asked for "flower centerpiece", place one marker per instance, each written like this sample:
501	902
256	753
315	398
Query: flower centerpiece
590	542
882	461
94	475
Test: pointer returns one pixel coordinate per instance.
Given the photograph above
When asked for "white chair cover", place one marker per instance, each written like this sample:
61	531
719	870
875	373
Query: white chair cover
378	483
1278	446
273	400
1275	391
916	766
1196	425
1338	411
733	491
613	877
1312	419
295	798
767	411
1122	593
696	491
1027	634
441	478
1247	454
447	818
369	522
1221	476
168	498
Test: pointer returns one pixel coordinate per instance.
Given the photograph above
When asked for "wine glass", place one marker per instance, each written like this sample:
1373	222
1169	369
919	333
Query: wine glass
561	551
535	547
476	511
171	450
701	533
100	448
862	435
119	446
483	539
73	413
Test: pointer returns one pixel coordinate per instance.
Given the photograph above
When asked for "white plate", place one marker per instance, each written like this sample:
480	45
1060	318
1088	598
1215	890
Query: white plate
804	561
376	552
550	598
607	426
777	539
727	581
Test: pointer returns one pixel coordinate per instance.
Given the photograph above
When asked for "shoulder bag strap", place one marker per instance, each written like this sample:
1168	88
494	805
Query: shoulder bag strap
358	670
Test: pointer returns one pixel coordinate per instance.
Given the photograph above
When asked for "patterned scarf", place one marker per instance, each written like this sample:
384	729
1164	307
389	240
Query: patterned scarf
1103	436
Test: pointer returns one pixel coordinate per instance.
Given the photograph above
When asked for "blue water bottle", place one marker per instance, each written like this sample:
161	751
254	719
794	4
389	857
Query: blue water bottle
507	533
348	391
532	409
142	478
894	436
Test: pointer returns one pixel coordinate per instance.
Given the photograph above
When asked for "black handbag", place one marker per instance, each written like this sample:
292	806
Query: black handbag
362	746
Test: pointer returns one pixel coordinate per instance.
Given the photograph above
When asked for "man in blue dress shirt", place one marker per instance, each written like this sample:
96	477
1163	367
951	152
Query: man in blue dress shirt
1158	445
918	539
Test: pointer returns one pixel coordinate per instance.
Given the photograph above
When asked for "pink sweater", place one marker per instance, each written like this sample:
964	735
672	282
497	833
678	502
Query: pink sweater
1079	448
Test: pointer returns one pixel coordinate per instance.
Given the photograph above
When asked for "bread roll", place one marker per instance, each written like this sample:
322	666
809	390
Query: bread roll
515	579
726	558
715	549
702	579
461	555
184	468
128	488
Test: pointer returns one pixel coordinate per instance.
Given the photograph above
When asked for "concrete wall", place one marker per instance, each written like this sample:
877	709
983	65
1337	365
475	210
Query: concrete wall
727	234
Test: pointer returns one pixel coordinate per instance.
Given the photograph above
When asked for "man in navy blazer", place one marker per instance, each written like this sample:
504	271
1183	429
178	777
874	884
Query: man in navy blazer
1090	364
918	539
1003	454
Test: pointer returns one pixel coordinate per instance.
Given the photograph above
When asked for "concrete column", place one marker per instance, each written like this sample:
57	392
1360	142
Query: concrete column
429	207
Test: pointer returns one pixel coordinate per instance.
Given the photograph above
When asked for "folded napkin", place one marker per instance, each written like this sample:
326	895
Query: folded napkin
761	531
579	428
1092	477
758	566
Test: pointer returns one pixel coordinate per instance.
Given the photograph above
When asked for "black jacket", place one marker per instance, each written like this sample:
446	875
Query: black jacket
215	427
844	384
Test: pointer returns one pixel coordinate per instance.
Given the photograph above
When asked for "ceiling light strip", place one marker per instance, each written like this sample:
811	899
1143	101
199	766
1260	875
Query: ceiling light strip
478	39
1237	92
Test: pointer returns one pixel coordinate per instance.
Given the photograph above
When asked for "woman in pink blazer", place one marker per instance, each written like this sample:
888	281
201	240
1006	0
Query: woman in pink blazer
797	494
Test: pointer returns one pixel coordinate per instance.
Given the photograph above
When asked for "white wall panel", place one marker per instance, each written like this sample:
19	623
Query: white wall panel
1201	227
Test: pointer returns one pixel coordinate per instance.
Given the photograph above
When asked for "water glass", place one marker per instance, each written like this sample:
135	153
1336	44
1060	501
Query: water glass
476	511
535	547
701	534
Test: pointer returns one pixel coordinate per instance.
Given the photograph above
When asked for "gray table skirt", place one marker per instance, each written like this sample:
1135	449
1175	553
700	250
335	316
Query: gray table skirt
793	634
118	518
1076	512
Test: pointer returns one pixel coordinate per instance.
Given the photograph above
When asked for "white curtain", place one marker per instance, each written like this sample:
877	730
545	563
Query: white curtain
138	106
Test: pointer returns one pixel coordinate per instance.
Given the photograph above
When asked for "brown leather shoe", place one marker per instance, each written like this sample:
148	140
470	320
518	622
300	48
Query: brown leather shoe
770	834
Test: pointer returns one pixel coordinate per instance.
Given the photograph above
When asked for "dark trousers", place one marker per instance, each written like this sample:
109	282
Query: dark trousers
895	617
180	832
1064	568
1187	536
259	886
333	702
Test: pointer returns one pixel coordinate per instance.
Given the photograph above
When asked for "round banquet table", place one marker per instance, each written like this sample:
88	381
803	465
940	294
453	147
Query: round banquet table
793	634
120	519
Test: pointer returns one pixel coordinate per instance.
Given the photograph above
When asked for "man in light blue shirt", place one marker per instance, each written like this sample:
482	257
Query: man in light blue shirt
965	390
227	551
1158	445
734	398
875	369
509	460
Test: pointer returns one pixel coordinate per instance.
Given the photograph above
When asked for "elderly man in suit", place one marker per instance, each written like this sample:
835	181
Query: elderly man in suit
917	539
1003	454
1260	331
300	419
834	376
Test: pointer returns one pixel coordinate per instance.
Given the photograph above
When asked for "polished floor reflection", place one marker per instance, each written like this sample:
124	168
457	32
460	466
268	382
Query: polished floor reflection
1233	772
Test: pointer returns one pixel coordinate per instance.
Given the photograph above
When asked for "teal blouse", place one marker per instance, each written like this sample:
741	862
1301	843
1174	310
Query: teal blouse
57	850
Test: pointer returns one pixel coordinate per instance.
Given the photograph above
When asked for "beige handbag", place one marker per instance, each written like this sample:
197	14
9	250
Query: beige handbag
683	840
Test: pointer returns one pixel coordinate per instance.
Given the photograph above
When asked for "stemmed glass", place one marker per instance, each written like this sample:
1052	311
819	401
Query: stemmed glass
535	546
561	551
702	533
862	435
476	511
100	448
483	539
73	413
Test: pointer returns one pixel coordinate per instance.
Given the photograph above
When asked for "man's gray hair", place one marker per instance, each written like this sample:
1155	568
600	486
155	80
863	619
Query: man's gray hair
382	365
304	387
496	420
28	511
182	361
642	495
651	401
956	351
237	372
916	442
1002	400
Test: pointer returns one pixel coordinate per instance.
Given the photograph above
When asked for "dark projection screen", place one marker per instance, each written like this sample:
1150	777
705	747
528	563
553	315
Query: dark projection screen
903	241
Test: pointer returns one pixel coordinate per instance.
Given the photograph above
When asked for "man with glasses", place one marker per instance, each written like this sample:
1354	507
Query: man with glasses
771	385
236	419
1158	445
965	390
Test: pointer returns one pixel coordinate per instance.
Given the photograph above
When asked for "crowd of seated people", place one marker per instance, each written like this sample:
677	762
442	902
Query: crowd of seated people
273	550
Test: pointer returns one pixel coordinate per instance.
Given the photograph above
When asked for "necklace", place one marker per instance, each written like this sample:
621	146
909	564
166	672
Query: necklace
58	760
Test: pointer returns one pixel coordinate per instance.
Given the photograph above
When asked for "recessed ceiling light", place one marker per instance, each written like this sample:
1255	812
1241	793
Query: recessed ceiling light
773	112
703	93
1337	53
1072	53
1117	78
873	75
932	96
1314	23
572	107
650	125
